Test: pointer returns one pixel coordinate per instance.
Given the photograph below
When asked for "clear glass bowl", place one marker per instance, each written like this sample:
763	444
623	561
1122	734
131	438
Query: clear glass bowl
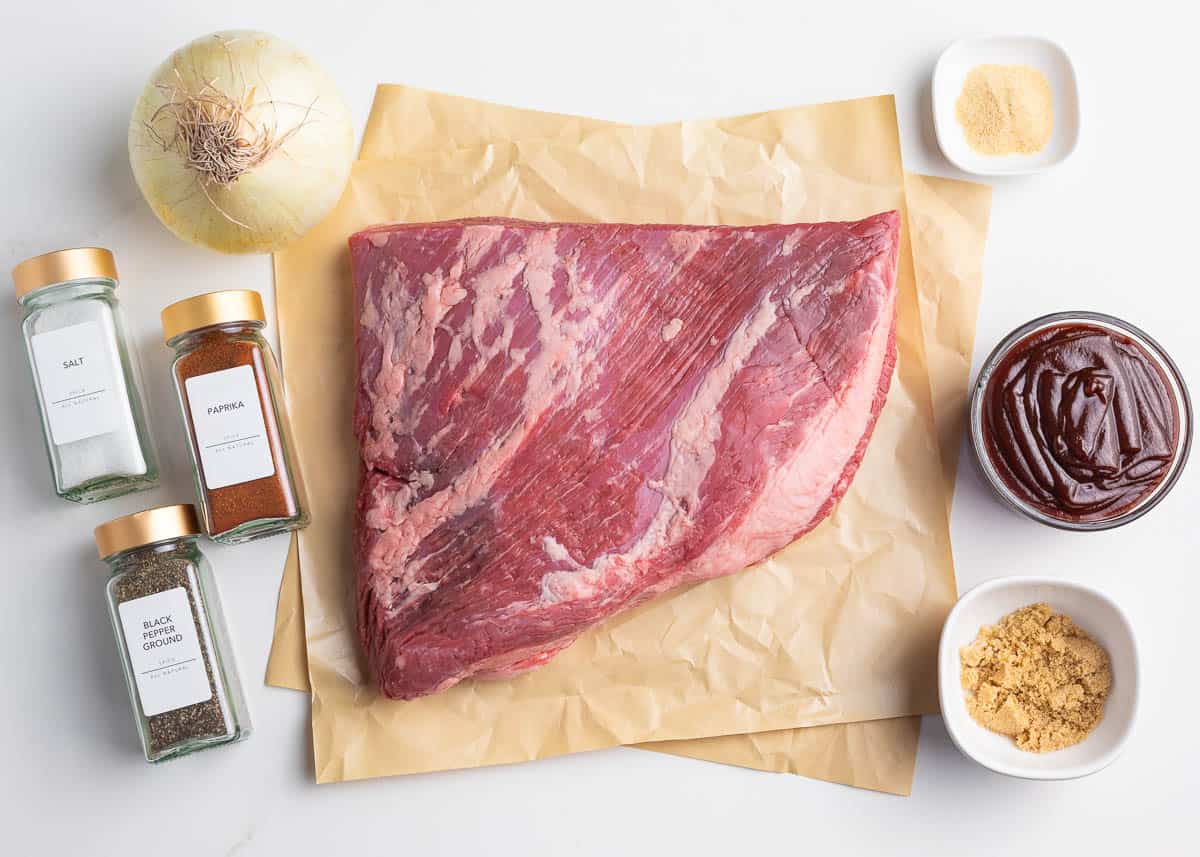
1170	371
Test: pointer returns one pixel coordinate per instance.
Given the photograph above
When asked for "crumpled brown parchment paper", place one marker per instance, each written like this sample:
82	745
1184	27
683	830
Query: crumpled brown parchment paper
765	750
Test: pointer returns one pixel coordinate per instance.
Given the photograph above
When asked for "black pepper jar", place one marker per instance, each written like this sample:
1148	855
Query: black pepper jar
175	650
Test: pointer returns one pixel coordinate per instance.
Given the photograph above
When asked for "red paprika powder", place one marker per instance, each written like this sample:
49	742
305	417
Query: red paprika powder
247	478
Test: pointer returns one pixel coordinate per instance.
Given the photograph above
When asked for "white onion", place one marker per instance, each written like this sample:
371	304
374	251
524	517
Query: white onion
240	143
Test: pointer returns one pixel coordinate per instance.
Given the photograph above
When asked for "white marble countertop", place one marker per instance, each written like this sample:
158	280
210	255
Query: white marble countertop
1110	230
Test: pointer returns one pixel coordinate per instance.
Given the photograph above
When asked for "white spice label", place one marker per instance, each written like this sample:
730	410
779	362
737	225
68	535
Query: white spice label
76	373
231	434
164	651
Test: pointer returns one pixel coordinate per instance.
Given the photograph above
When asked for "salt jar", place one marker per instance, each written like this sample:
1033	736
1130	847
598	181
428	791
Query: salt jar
248	482
85	375
166	616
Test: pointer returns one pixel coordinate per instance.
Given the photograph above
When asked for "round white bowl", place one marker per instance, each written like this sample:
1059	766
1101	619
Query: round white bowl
1096	614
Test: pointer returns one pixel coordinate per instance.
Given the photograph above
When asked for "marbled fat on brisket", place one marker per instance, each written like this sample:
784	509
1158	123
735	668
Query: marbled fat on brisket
559	421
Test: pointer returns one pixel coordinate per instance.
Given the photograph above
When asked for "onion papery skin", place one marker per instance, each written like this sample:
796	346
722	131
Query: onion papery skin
285	99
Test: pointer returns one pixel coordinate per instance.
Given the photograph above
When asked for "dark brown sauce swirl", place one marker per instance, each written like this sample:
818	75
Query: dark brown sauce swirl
1080	422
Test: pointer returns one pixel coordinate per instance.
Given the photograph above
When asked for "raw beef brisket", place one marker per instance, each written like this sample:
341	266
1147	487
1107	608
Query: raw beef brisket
559	421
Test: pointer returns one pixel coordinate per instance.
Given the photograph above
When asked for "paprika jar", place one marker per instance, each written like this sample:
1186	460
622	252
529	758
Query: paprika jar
248	480
166	617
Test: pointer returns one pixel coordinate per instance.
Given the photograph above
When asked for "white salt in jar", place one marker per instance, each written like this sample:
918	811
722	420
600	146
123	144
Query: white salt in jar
85	376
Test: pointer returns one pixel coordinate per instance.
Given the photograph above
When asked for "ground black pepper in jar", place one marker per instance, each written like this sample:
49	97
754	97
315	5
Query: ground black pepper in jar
167	619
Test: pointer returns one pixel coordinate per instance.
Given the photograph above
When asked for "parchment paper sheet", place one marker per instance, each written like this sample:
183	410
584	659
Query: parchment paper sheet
949	220
584	718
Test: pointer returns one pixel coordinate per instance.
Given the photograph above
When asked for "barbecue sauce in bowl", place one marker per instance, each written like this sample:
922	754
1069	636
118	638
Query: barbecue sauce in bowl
1081	420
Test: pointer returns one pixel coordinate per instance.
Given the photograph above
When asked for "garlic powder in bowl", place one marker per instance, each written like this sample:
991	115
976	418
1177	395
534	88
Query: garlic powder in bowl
1006	110
1005	105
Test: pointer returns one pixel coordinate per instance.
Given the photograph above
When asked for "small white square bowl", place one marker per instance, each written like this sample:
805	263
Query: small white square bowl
1042	54
1096	614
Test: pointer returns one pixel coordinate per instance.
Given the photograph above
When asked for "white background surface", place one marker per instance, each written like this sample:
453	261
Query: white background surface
1114	229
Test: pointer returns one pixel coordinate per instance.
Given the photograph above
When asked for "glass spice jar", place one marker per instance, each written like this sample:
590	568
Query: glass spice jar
247	476
86	377
175	649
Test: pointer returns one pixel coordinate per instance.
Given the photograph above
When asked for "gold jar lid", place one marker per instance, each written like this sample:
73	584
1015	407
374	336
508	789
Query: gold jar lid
212	308
146	527
62	266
